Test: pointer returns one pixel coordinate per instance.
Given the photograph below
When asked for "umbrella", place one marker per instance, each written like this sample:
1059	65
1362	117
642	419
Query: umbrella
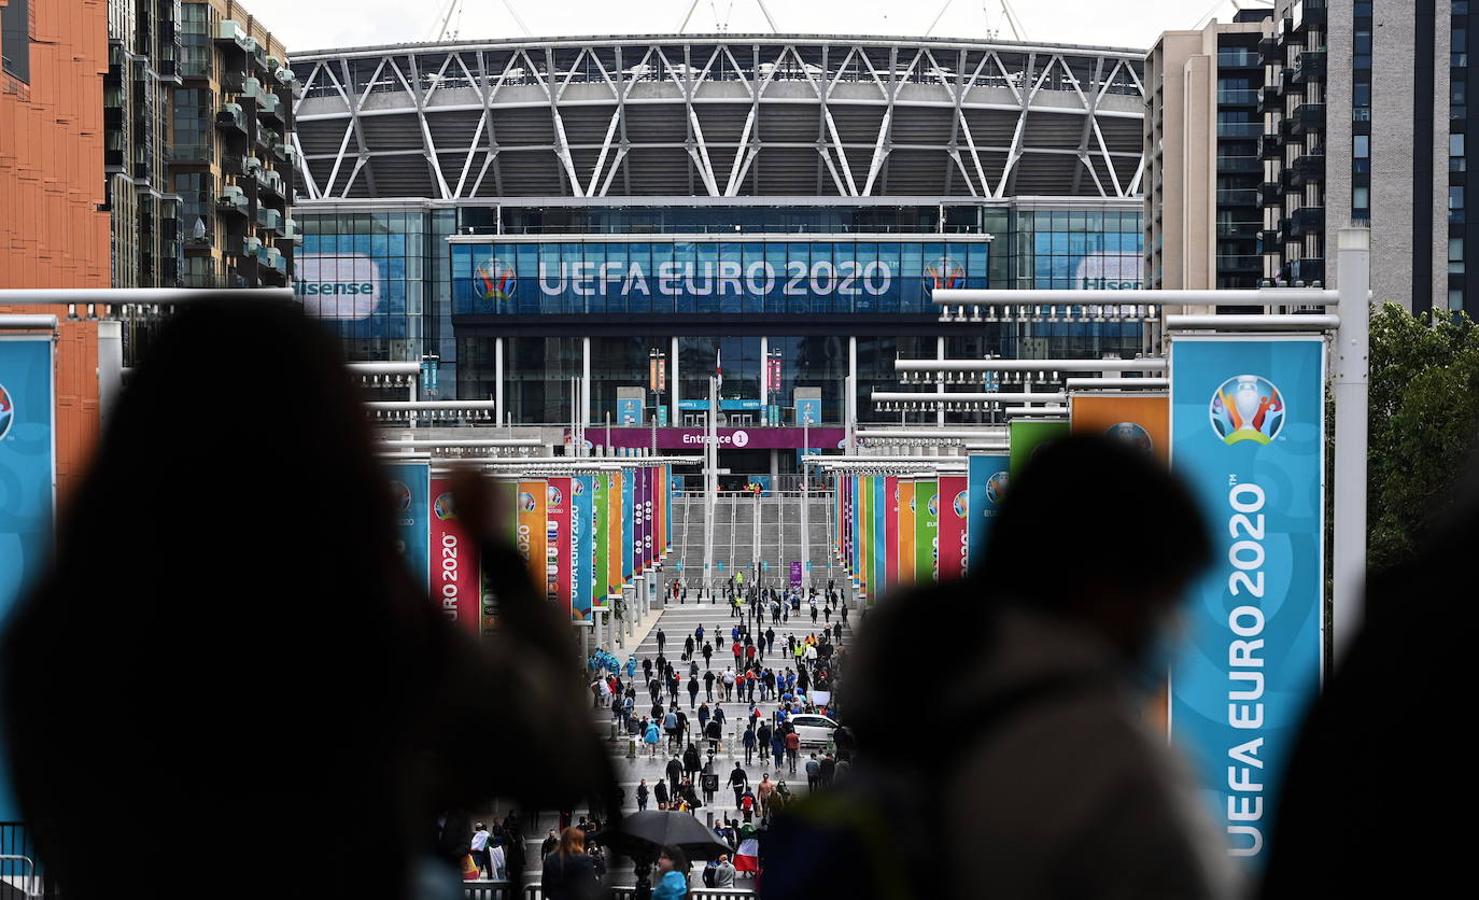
642	835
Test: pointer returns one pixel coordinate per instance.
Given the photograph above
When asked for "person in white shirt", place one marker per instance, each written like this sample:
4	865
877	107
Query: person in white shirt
497	863
479	849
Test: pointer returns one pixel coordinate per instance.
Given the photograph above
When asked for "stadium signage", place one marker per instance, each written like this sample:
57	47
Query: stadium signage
848	278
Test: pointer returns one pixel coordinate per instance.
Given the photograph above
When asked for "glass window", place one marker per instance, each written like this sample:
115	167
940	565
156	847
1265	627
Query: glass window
1361	146
1456	159
1456	203
1458	49
1455	298
1361	200
1456	256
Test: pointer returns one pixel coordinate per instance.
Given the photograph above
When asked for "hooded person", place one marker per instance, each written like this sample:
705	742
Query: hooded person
1052	659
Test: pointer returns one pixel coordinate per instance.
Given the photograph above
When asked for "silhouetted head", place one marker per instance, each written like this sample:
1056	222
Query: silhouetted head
1099	532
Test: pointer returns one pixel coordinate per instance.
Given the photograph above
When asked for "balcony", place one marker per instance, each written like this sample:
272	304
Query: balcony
1238	164
199	246
1311	65
269	220
1237	97
1270	192
1239	58
230	118
270	108
1307	271
1236	130
1269	239
1240	265
1270	146
1308	117
192	155
230	34
1314	14
1268	99
249	248
1269	49
251	89
1307	169
1309	220
233	201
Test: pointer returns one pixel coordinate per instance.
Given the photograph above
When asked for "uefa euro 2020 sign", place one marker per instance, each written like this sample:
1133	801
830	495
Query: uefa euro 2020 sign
1247	435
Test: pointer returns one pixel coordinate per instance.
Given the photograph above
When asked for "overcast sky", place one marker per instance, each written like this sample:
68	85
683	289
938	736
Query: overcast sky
324	24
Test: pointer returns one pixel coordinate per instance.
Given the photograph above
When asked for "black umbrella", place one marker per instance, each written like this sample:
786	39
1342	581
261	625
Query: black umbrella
642	836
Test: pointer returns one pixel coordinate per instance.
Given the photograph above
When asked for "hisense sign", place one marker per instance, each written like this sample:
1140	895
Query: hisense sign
338	287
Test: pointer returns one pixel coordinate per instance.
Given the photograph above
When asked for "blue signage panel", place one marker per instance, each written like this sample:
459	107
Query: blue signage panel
986	485
809	412
582	546
1248	435
629	411
699	276
410	489
27	481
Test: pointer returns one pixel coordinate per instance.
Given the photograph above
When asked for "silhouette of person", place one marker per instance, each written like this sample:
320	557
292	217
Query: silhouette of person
1048	784
229	658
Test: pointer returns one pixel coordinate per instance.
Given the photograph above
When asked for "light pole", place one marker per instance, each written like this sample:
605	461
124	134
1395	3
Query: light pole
805	496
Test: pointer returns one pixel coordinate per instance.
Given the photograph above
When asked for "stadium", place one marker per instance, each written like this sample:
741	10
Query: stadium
648	212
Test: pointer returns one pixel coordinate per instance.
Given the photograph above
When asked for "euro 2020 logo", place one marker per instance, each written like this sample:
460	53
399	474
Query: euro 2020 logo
1247	408
7	412
944	273
553	496
1133	434
526	502
444	508
934	506
400	493
996	487
961	505
495	280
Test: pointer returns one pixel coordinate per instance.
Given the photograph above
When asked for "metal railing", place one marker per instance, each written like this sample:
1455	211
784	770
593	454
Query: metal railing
504	890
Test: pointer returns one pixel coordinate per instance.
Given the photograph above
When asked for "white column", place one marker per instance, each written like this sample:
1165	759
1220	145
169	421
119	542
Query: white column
805	500
940	378
1352	374
850	402
673	416
585	372
710	487
500	414
110	367
764	380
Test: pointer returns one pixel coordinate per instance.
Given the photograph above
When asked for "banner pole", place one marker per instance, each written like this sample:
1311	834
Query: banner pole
1350	387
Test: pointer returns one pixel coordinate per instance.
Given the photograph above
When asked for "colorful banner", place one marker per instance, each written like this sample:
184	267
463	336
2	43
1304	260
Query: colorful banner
987	474
628	525
505	500
601	538
905	549
557	542
1248	436
639	525
1026	435
667	508
615	532
582	547
881	546
27	481
926	530
1141	420
530	537
410	490
855	516
954	506
865	520
891	530
649	484
457	573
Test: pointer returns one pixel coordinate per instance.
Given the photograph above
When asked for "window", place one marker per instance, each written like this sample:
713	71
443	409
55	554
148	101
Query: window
1456	159
15	39
1360	202
1361	153
1362	59
1458	49
1455	298
1456	203
1456	256
1458	98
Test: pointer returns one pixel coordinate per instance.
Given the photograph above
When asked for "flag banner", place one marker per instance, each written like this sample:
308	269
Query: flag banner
410	491
855	516
880	535
1141	420
615	551
557	542
628	525
457	573
531	536
907	532
27	481
987	475
601	541
1026	435
639	523
926	530
954	508
582	547
1248	437
649	483
891	531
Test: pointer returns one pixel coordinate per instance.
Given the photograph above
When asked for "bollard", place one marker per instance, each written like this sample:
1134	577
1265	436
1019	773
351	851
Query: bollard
631	748
613	729
710	817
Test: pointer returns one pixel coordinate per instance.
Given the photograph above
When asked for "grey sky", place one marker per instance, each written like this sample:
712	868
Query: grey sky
322	24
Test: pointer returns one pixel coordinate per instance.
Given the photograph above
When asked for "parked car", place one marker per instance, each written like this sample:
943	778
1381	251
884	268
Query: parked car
814	729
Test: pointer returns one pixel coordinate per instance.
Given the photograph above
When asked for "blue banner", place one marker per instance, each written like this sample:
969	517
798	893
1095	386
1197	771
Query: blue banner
629	522
880	549
1247	434
410	489
27	482
628	411
986	485
809	411
856	514
712	276
582	546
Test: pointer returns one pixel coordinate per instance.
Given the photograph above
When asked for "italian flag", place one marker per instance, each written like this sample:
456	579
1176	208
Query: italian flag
747	857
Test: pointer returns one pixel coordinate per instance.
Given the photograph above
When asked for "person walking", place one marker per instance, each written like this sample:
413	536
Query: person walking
746	805
778	748
714	733
660	794
674	771
844	613
739	782
813	773
827	770
479	850
724	872
692	693
708	653
766	791
708	679
688	647
748	740
793	749
661	639
569	872
642	793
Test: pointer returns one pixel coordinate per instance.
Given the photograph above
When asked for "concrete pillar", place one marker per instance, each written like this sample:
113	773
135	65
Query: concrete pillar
500	414
110	367
585	374
674	417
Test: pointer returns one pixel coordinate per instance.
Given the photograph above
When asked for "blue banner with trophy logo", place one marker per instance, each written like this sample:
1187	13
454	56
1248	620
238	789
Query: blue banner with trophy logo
410	491
1248	436
986	485
582	546
27	481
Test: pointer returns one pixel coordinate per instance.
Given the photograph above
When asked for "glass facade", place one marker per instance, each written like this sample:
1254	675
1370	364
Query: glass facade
394	286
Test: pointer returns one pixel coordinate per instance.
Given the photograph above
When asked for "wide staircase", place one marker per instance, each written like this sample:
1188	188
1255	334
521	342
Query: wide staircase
738	545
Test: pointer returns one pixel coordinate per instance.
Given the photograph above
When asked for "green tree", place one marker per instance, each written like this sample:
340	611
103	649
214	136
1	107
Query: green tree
1424	421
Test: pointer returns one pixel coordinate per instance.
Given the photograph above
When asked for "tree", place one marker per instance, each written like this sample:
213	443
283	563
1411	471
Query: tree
1424	420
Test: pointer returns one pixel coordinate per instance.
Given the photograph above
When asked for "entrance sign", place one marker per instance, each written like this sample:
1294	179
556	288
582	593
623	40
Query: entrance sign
1248	436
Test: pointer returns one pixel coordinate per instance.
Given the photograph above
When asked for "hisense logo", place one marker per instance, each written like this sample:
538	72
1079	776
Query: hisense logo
338	287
